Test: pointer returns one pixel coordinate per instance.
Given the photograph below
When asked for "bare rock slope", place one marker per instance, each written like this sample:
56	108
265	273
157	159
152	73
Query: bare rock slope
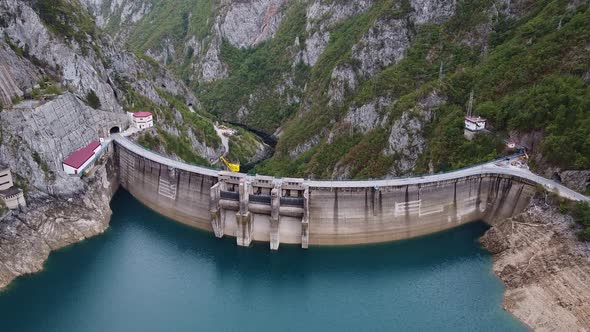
545	268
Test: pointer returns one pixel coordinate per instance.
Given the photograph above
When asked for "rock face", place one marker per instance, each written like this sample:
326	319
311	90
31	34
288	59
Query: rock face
406	140
301	148
343	80
384	44
27	237
249	23
434	11
544	267
367	116
212	68
124	11
577	180
43	135
321	16
82	73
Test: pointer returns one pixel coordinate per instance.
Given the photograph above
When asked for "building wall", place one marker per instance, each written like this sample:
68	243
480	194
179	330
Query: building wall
143	123
5	179
13	202
473	126
72	170
337	216
69	169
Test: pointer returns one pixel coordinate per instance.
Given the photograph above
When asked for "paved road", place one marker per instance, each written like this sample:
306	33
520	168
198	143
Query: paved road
490	168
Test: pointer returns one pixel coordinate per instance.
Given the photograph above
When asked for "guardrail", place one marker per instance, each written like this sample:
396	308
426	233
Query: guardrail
262	199
229	195
330	183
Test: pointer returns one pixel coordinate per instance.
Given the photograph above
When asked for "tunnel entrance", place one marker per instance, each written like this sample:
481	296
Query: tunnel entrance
555	177
115	130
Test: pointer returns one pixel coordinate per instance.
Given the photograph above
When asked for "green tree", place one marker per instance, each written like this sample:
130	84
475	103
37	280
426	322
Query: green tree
92	99
581	214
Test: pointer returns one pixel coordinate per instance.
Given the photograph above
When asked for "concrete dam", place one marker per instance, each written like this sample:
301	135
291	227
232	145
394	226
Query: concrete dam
308	212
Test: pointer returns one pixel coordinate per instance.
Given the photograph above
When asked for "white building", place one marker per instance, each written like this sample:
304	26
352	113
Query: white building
473	123
80	159
12	197
143	120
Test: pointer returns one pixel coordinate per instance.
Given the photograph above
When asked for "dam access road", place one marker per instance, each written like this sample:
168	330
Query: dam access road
311	212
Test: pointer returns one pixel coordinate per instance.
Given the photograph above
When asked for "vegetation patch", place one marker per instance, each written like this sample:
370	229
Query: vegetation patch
256	72
49	175
68	19
92	99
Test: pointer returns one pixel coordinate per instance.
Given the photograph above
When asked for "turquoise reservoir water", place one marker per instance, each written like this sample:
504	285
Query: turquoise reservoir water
150	274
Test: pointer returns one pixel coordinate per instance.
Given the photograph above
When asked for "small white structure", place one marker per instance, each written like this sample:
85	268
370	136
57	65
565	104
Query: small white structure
511	145
473	123
80	159
12	197
143	120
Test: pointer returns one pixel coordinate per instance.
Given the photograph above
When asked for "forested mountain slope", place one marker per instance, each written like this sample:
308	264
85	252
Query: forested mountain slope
379	88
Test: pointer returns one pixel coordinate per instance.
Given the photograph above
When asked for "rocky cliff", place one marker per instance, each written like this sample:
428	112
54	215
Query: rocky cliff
51	222
544	266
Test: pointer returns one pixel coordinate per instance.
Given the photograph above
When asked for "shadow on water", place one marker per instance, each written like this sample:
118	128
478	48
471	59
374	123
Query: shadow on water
151	274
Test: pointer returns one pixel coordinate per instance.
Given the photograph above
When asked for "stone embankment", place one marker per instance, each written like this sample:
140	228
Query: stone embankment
545	268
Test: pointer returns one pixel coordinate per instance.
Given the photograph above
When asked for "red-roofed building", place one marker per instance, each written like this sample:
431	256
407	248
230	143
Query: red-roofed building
81	158
143	120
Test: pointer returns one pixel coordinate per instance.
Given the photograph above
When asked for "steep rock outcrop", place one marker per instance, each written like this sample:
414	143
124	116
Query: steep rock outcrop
38	136
49	223
433	11
304	147
82	73
343	81
367	116
384	44
321	16
249	23
544	266
406	141
124	12
211	68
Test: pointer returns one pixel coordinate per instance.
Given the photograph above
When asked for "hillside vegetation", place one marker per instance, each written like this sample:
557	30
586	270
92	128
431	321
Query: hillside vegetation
394	109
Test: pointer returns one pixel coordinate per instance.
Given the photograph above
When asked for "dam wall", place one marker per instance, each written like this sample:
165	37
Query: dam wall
304	212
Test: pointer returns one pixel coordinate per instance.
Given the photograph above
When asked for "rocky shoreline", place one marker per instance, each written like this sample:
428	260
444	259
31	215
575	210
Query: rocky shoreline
50	223
545	268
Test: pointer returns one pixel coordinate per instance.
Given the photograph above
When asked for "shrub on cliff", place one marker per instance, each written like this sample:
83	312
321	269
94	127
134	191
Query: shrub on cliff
93	100
581	214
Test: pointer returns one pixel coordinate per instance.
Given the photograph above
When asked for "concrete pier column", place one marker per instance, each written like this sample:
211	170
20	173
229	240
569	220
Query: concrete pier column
305	220
216	221
275	205
243	217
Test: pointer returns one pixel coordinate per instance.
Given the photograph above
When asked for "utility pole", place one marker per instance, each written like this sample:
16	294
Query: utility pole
470	106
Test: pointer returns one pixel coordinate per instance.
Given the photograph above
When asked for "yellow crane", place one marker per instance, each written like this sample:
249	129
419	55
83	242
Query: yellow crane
231	167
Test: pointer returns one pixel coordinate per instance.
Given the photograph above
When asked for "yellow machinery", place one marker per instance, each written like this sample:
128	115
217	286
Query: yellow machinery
231	167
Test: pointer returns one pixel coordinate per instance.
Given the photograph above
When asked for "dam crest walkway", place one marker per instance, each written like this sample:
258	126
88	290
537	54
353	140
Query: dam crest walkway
488	168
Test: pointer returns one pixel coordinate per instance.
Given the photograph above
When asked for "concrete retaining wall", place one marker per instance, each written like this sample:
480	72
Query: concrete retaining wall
330	215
